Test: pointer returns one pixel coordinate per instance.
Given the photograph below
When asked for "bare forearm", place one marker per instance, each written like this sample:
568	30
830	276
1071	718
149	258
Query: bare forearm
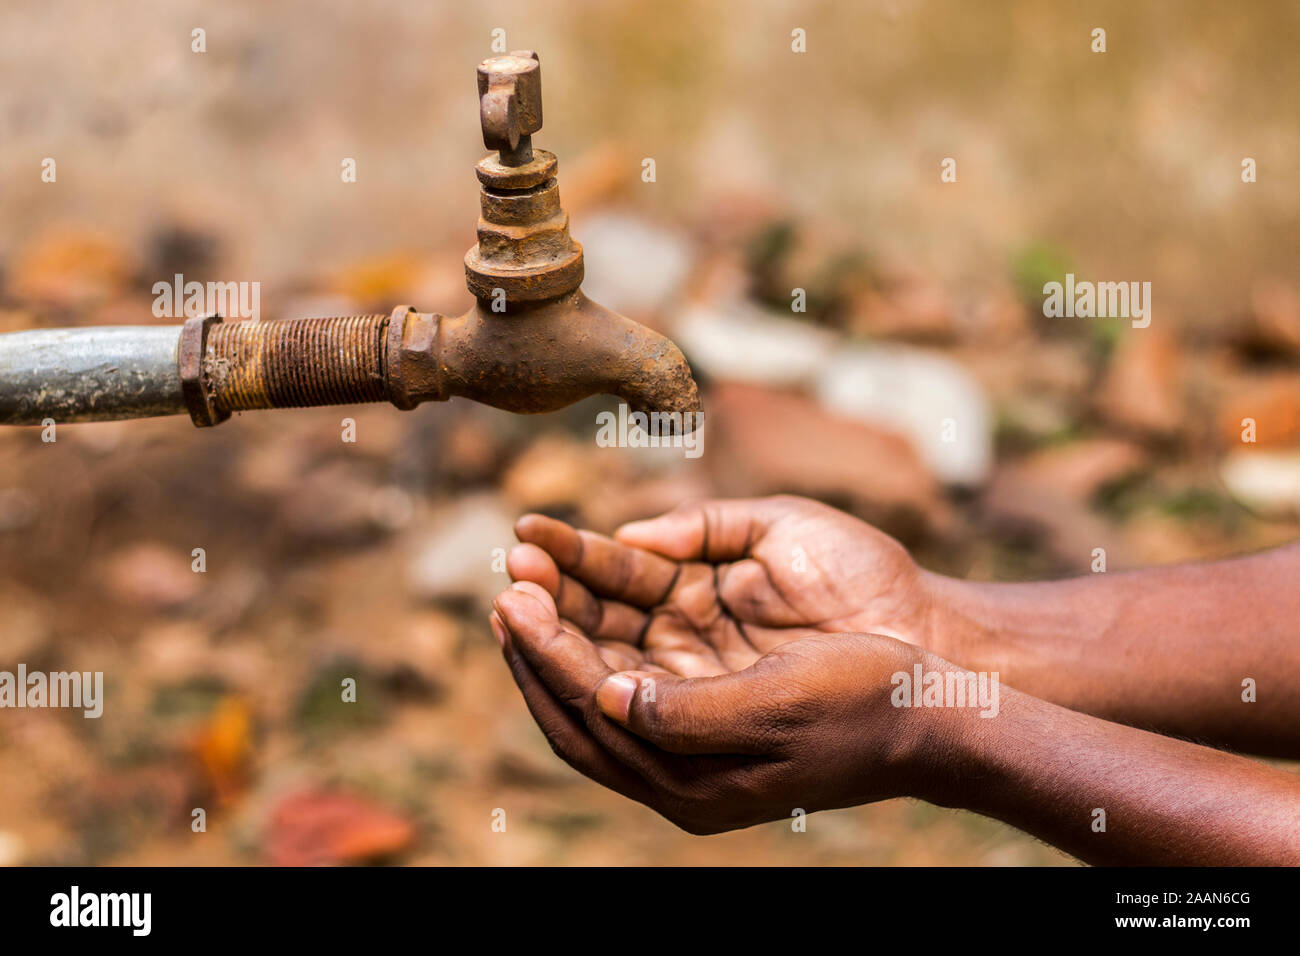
1210	652
1111	794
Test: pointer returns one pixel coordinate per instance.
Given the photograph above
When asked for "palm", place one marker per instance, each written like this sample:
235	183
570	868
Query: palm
828	571
796	569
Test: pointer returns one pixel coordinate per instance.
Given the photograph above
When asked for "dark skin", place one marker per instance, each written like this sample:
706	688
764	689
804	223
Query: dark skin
732	661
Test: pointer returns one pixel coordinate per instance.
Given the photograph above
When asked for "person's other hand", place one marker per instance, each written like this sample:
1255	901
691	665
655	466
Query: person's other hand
807	726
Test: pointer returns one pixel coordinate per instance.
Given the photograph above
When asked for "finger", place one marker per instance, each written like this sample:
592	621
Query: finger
746	589
626	637
540	593
568	735
502	633
570	667
727	714
565	661
617	654
603	619
715	530
528	587
498	628
606	567
528	562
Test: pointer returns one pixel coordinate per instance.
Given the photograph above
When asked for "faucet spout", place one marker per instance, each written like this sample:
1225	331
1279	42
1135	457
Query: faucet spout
533	342
542	356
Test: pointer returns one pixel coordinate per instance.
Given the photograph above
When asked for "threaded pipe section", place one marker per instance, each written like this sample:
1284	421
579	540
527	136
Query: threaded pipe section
292	363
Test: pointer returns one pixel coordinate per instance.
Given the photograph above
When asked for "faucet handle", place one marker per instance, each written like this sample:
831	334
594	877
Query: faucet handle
510	104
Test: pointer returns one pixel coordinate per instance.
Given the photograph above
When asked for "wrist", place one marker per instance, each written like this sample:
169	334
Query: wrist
963	623
958	762
948	714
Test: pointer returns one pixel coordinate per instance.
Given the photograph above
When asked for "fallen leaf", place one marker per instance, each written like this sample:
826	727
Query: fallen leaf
321	827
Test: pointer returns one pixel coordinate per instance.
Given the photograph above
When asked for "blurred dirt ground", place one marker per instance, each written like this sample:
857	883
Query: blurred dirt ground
376	559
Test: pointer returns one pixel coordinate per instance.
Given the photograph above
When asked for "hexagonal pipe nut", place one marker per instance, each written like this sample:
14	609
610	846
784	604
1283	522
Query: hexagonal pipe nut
412	359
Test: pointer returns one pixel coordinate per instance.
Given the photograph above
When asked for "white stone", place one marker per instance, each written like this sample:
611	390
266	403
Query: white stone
744	343
1266	481
457	561
632	265
920	394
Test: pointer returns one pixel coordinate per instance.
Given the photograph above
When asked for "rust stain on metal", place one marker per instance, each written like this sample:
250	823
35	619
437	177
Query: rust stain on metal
531	343
290	363
192	362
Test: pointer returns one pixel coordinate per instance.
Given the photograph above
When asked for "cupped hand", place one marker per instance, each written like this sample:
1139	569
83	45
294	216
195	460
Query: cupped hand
711	587
809	725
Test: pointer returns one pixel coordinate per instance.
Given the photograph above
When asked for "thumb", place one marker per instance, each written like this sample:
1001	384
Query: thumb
698	715
713	530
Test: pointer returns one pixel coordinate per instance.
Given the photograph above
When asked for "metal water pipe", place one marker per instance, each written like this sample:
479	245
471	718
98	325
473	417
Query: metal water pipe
532	342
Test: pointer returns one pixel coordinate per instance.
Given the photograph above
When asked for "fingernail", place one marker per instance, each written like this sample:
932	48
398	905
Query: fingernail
498	629
614	697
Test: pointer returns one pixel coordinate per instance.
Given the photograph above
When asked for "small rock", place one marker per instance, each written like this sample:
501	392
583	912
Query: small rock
1275	317
391	507
644	498
423	646
932	400
765	441
632	265
1022	503
1272	403
272	466
152	576
1080	469
1143	388
172	653
743	343
470	451
334	504
555	471
321	827
1264	481
913	310
461	560
998	316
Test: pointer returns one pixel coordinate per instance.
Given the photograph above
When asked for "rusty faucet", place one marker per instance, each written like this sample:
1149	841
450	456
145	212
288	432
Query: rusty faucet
532	342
